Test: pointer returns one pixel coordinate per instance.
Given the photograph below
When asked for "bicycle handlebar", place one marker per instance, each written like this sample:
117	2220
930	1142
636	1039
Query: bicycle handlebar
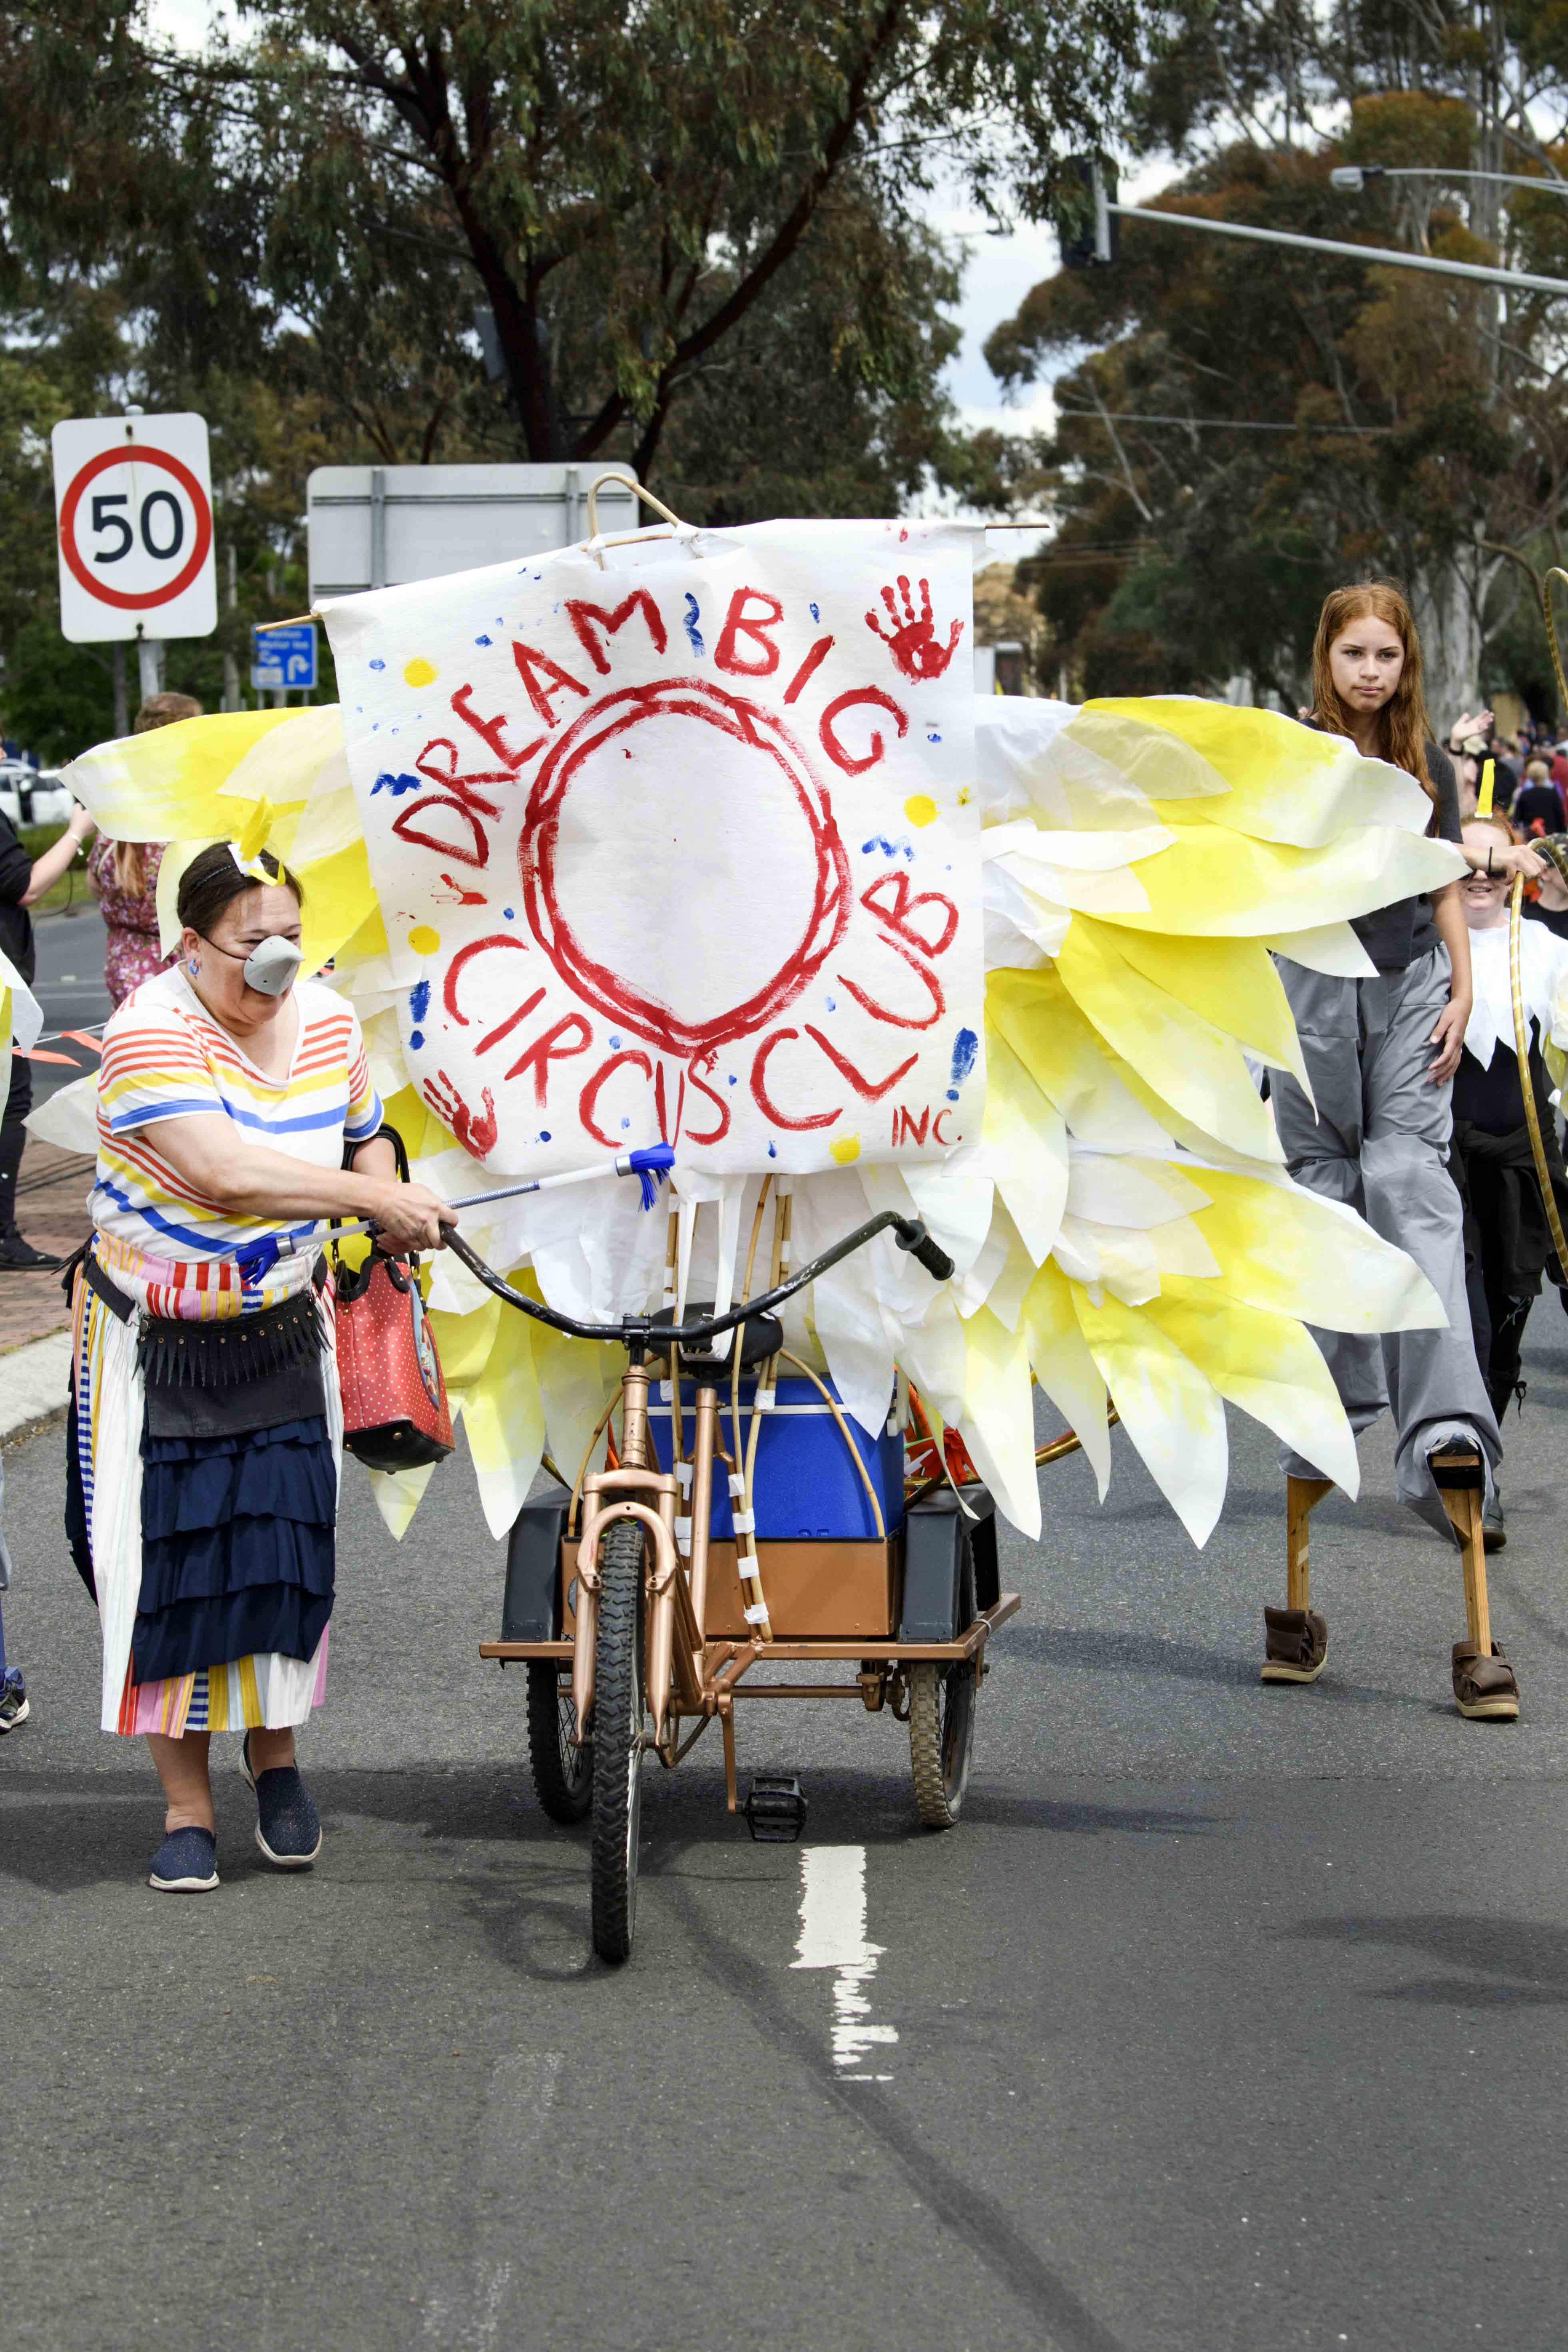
641	1331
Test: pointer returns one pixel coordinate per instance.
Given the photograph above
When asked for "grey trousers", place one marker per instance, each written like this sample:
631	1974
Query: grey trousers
1379	1141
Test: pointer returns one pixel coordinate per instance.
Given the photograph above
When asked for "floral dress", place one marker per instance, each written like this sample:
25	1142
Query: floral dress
133	954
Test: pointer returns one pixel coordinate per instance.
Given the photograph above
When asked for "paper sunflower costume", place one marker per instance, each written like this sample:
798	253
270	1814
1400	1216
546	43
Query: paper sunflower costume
705	838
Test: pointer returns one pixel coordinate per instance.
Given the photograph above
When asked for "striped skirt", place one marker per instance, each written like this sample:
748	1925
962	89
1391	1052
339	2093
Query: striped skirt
152	1517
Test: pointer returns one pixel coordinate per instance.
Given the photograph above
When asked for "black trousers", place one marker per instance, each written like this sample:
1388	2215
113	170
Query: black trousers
13	1136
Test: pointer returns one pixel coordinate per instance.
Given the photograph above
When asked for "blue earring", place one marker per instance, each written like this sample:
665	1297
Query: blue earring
195	965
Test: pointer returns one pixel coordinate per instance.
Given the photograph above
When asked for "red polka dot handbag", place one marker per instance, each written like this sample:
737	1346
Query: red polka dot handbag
396	1415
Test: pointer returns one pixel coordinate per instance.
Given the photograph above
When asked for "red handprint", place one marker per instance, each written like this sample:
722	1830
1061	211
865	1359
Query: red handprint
912	640
477	1135
455	895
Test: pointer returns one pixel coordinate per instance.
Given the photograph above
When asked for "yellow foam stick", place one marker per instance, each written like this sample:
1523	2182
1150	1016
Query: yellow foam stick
1484	797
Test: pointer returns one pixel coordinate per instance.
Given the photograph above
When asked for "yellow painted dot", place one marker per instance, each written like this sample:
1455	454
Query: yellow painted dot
423	939
847	1149
419	672
965	794
921	809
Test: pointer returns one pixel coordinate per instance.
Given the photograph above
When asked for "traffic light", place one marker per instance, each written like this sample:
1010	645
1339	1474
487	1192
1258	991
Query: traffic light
1087	228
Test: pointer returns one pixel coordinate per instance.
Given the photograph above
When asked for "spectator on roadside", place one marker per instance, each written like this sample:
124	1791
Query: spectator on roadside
23	880
1537	806
123	877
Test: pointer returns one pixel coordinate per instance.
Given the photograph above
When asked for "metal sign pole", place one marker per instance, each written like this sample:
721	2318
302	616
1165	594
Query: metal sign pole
150	665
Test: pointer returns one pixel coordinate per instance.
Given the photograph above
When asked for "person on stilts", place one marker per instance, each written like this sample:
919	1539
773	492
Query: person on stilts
1380	1051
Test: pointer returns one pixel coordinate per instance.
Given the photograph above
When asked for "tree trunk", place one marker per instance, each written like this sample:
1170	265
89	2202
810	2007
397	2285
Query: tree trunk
1445	605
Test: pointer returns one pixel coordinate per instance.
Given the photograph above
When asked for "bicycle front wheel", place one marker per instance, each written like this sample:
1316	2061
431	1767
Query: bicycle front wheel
620	1707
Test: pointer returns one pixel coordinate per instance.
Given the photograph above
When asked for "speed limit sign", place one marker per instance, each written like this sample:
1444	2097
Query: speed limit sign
134	512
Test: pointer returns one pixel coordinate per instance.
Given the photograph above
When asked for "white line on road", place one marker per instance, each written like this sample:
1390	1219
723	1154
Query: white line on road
832	1936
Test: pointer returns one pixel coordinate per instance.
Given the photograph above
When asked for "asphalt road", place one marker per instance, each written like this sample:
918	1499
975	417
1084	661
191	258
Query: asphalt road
69	984
1224	2020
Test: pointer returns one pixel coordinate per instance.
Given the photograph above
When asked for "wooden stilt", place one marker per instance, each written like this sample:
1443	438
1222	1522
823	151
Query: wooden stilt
1300	1495
1463	1504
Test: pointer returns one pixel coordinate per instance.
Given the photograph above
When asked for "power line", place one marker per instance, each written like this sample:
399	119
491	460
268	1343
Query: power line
1215	424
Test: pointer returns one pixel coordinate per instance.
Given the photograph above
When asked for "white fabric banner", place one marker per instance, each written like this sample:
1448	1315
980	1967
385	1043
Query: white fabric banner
683	849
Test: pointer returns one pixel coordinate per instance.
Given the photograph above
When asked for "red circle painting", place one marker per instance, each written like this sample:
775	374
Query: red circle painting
138	453
682	794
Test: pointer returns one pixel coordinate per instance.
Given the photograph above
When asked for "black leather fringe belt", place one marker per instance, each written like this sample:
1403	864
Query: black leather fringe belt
245	1372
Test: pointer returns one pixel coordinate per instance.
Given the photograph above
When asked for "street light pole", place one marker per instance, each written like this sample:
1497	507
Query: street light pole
1379	257
1351	179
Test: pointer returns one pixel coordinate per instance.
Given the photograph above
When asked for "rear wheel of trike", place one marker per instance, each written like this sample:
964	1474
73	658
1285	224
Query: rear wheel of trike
618	1730
563	1769
942	1717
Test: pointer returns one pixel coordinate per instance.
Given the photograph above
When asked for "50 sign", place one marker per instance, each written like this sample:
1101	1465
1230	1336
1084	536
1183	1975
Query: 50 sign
133	501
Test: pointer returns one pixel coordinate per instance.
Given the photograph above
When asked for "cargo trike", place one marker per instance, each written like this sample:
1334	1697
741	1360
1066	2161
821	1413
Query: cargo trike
742	1523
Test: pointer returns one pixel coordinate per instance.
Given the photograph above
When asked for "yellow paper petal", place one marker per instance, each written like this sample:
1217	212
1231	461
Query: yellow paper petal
1284	1250
166	785
398	1493
1063	1054
1281	780
998	1422
504	1418
1169	1408
1268	1366
1199	1071
1026	1144
1061	1361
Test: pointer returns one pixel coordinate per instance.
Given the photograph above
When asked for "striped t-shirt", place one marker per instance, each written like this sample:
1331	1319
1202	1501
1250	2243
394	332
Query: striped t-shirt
166	1057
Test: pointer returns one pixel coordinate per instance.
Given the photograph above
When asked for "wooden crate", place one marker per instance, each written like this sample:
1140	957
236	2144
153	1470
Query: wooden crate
822	1591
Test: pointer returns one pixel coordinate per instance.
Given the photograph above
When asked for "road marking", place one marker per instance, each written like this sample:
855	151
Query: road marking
832	1936
517	2106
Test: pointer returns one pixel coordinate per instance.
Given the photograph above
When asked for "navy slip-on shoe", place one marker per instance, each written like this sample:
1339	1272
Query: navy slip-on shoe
186	1864
289	1827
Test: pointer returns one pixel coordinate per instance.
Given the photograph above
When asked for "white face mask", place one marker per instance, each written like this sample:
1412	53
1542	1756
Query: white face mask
271	966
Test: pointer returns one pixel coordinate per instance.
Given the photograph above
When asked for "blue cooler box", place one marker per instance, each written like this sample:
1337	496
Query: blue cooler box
806	1486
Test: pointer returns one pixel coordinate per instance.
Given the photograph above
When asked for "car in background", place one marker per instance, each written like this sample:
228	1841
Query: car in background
32	795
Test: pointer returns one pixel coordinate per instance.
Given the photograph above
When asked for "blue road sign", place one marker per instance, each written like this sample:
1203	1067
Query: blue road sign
283	658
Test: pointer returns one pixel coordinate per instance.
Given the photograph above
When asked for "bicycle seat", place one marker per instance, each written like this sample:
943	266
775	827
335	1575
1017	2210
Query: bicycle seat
759	1337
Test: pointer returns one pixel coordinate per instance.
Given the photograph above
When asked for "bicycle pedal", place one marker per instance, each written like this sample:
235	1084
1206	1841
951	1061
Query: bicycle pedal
775	1809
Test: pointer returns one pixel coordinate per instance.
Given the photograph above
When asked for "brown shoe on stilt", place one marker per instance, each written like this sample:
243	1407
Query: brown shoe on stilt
1484	1688
1296	1646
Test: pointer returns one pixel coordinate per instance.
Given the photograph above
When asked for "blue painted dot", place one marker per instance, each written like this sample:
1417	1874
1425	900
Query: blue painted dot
816	612
831	1003
544	1135
773	1151
419	1000
378	662
933	739
509	914
614	1044
417	1038
625	1122
732	1078
485	641
952	1093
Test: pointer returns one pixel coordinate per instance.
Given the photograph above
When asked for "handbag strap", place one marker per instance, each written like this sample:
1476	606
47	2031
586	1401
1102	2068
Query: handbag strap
351	1283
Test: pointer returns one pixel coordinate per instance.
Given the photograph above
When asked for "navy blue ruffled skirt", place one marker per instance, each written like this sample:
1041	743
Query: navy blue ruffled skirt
237	1547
